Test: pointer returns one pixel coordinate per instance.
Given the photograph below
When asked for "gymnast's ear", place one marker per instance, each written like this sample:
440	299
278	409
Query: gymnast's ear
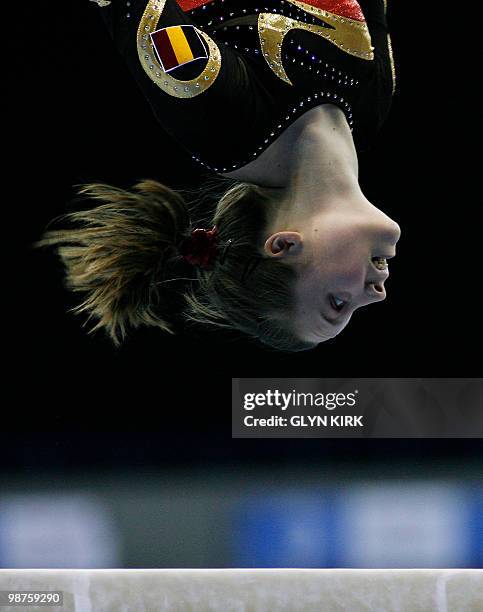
283	244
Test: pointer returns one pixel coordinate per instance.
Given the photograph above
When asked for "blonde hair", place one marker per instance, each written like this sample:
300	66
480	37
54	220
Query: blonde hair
123	256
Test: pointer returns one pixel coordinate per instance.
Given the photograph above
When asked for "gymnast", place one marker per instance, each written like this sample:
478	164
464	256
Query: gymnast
273	99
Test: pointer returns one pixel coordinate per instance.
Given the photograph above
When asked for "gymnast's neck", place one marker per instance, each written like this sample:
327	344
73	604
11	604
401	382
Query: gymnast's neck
317	150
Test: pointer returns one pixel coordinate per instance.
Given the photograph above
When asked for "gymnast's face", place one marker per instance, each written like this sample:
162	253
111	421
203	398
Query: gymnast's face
341	262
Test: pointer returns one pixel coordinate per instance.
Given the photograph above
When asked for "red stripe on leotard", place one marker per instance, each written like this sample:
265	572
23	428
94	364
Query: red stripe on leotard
189	5
344	8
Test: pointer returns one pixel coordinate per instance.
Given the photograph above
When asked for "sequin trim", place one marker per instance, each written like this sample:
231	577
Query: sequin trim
279	125
169	84
391	56
393	67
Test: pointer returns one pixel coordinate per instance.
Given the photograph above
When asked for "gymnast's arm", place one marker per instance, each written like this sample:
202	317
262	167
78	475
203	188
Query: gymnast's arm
194	85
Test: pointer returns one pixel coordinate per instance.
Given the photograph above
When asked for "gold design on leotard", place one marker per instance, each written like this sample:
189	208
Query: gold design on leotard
350	35
147	56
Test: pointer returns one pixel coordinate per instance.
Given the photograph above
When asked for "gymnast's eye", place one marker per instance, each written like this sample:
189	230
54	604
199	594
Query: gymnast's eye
336	303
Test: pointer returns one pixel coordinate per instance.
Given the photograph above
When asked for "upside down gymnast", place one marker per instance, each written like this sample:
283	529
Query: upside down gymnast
273	98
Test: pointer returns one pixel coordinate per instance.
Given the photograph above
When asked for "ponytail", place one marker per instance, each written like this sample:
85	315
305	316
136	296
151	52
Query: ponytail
122	255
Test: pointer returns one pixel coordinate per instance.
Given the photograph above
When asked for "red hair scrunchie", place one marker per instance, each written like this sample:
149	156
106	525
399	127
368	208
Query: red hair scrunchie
201	247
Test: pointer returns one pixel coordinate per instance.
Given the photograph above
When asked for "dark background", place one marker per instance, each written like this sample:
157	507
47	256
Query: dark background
75	401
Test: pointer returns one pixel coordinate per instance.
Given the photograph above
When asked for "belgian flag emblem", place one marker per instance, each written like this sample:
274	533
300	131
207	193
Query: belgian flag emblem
178	45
